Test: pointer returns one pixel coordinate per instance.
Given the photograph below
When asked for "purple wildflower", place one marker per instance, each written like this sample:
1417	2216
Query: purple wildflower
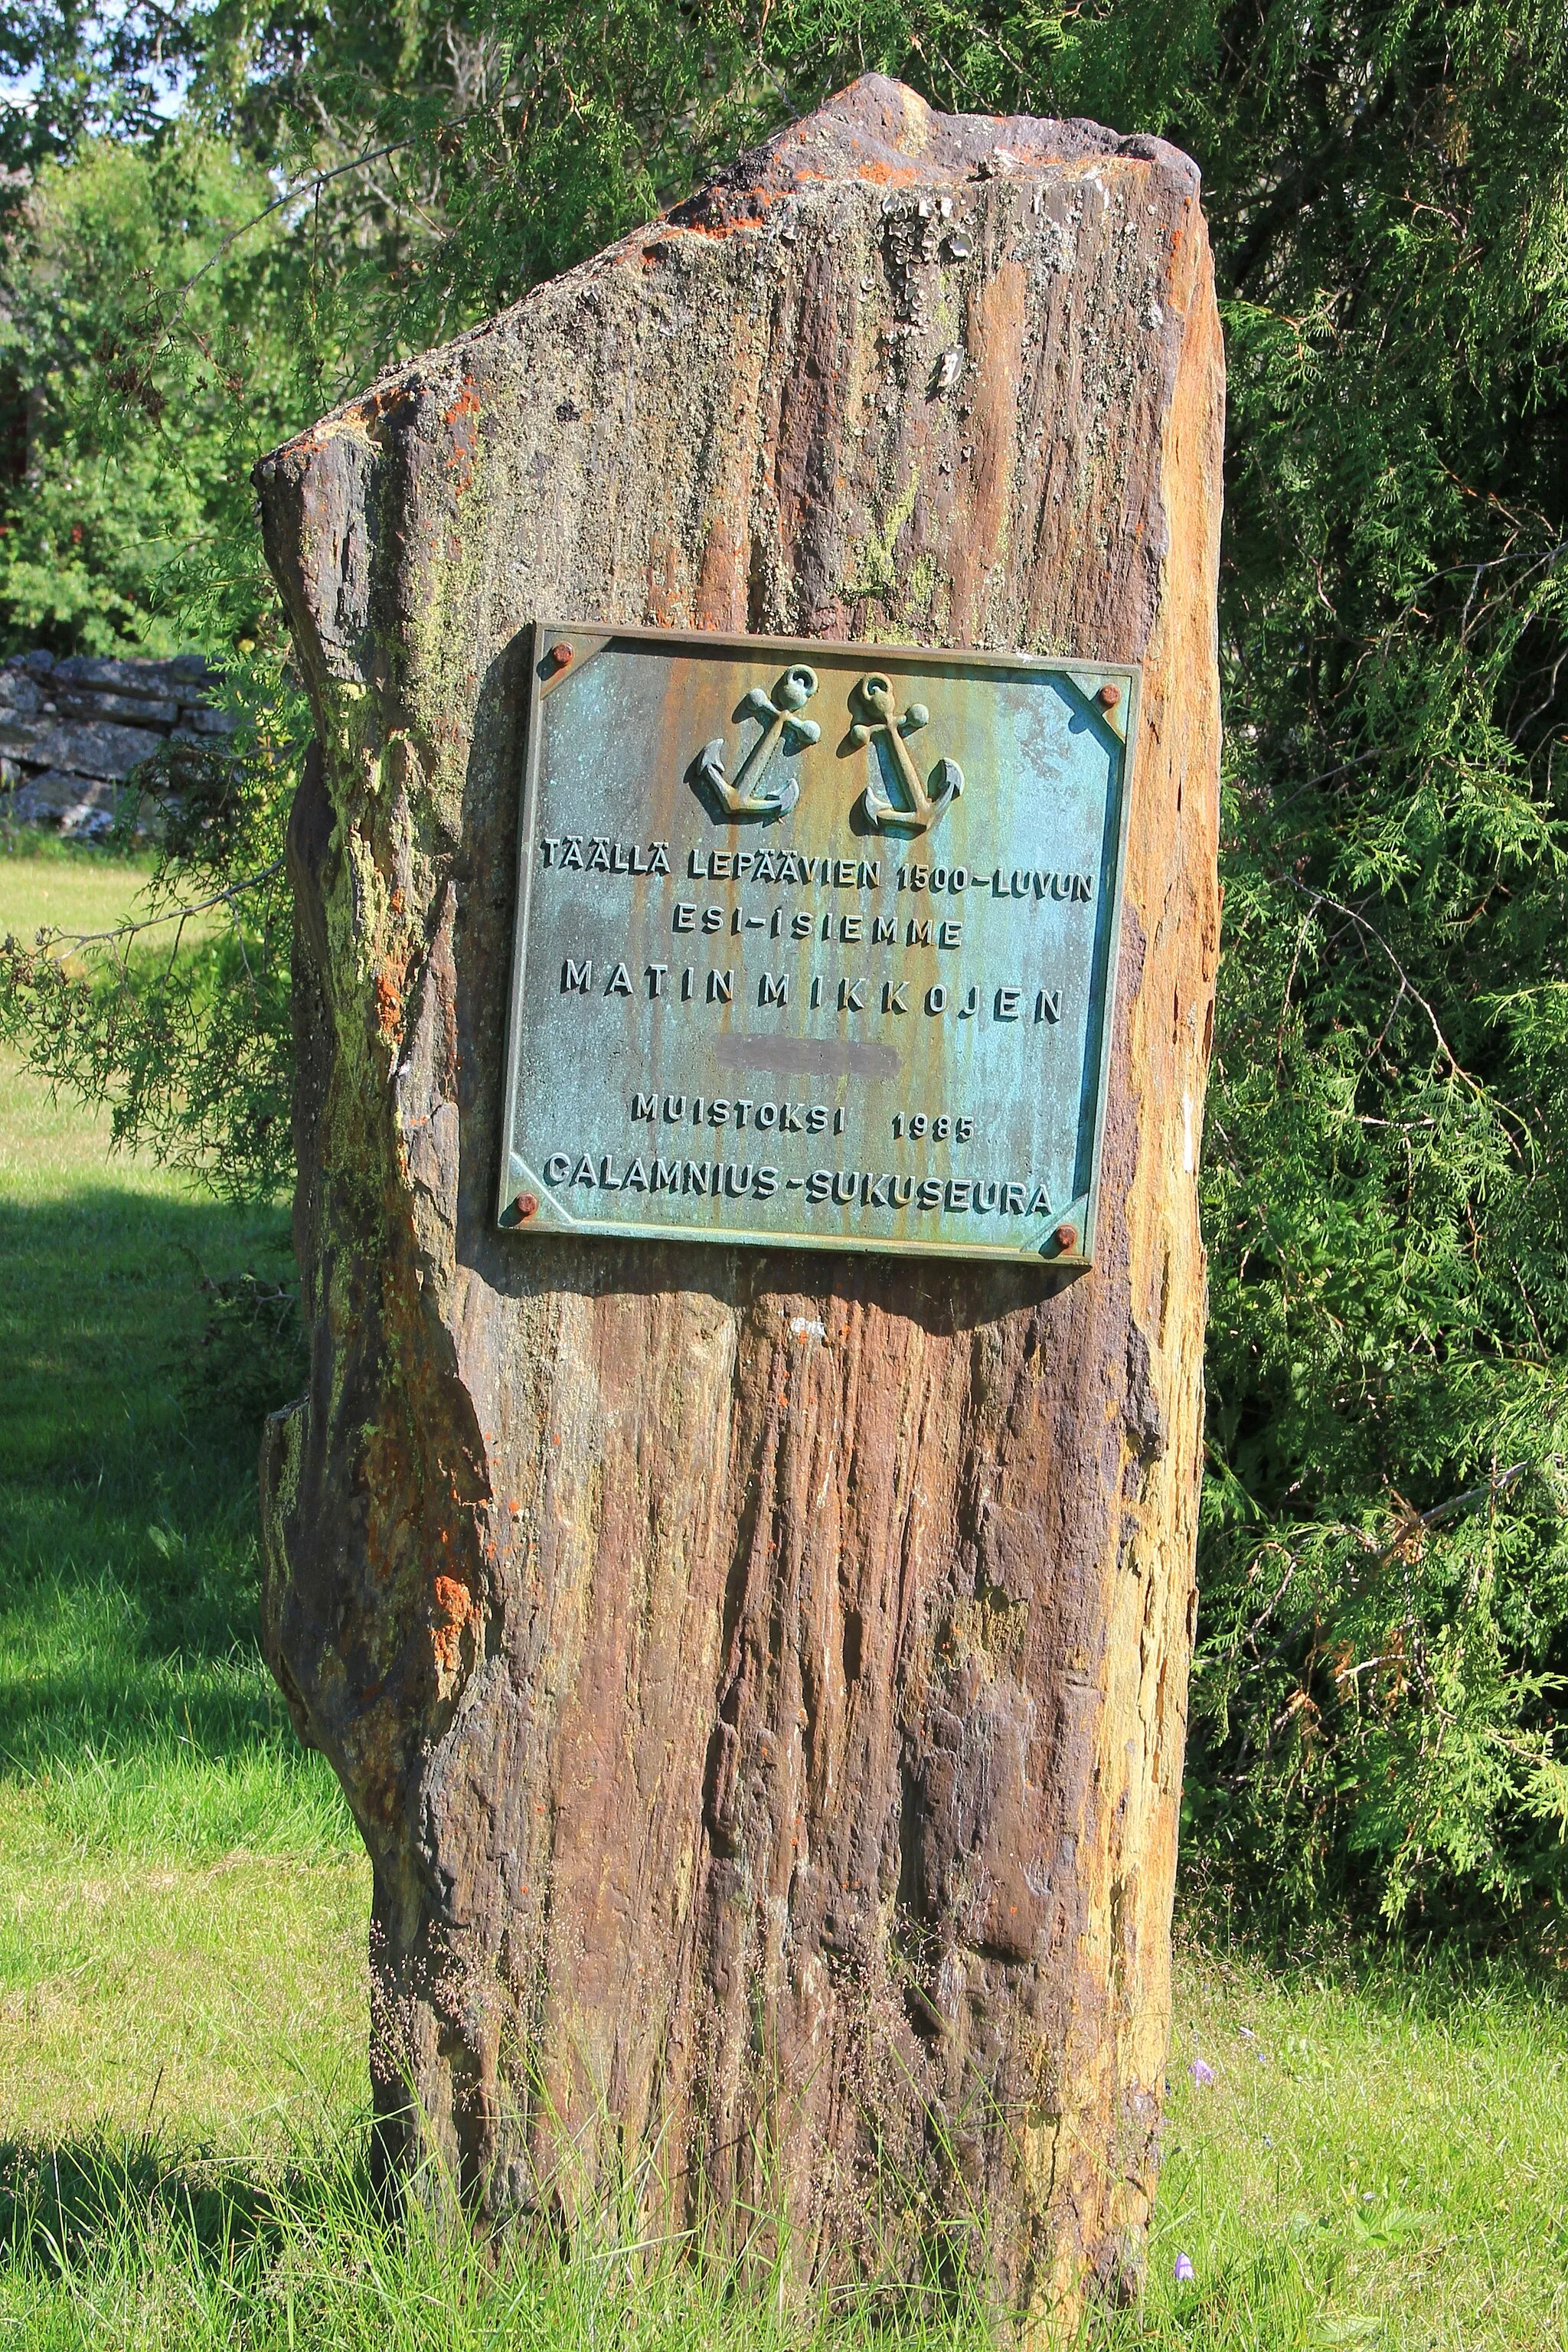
1185	2271
1202	2071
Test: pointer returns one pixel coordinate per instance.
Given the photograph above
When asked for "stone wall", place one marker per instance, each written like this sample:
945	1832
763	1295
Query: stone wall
73	733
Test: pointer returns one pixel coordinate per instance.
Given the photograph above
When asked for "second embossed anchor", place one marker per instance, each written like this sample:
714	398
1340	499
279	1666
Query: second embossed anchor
777	711
924	805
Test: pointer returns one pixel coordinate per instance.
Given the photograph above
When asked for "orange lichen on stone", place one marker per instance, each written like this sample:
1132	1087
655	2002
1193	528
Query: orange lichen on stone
454	1608
389	1005
459	419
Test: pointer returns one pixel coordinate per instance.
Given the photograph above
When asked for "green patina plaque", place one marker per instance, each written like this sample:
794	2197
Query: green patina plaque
815	944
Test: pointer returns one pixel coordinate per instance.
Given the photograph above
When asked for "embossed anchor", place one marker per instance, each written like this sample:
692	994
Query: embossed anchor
777	711
874	696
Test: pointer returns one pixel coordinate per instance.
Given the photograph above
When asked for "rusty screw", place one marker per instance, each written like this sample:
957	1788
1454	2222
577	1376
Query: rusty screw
527	1205
1067	1237
561	656
1109	696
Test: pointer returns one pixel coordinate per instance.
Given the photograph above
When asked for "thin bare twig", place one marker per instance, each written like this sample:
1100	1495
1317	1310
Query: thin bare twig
73	941
1407	986
317	181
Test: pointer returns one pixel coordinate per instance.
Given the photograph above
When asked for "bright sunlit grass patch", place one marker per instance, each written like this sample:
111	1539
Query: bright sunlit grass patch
222	2004
128	1538
63	886
1374	2159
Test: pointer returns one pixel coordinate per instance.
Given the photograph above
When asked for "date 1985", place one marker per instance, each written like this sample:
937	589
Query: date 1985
918	1124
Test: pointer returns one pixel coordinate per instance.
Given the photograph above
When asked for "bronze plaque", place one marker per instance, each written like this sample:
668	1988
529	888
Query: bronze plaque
815	943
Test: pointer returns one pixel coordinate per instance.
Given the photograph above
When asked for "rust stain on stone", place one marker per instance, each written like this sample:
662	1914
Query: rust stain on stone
459	419
389	1005
454	1610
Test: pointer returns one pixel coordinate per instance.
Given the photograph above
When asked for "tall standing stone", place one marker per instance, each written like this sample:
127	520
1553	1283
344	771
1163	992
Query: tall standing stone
758	1678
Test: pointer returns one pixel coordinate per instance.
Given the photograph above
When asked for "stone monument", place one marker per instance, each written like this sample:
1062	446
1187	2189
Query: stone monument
757	929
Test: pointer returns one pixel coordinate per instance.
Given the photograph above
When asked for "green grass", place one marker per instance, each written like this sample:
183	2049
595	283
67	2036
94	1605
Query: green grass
1374	2161
1377	2159
45	881
134	1704
180	1889
1372	2164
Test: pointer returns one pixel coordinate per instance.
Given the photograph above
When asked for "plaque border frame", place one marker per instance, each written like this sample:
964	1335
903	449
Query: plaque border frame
1088	674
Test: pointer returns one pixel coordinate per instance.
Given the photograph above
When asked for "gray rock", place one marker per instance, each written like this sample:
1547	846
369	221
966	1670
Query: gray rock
157	681
21	736
71	729
90	702
83	748
196	719
78	806
54	796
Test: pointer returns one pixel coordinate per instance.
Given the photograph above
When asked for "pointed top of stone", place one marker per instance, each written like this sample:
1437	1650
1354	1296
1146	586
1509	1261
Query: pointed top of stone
879	129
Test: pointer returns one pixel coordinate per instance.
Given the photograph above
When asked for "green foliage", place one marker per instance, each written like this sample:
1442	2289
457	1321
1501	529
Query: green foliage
252	1353
1384	1573
177	1016
145	361
1386	1612
68	72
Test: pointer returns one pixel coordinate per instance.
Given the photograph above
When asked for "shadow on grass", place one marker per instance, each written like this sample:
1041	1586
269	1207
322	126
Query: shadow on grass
129	1551
62	2205
101	2212
97	2233
306	2254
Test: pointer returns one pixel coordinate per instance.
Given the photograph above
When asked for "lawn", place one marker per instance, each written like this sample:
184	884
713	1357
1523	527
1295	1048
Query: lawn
1352	2159
182	1896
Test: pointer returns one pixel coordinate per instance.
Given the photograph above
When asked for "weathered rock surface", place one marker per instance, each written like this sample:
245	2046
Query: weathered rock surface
70	730
88	702
759	1679
87	747
180	680
55	797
